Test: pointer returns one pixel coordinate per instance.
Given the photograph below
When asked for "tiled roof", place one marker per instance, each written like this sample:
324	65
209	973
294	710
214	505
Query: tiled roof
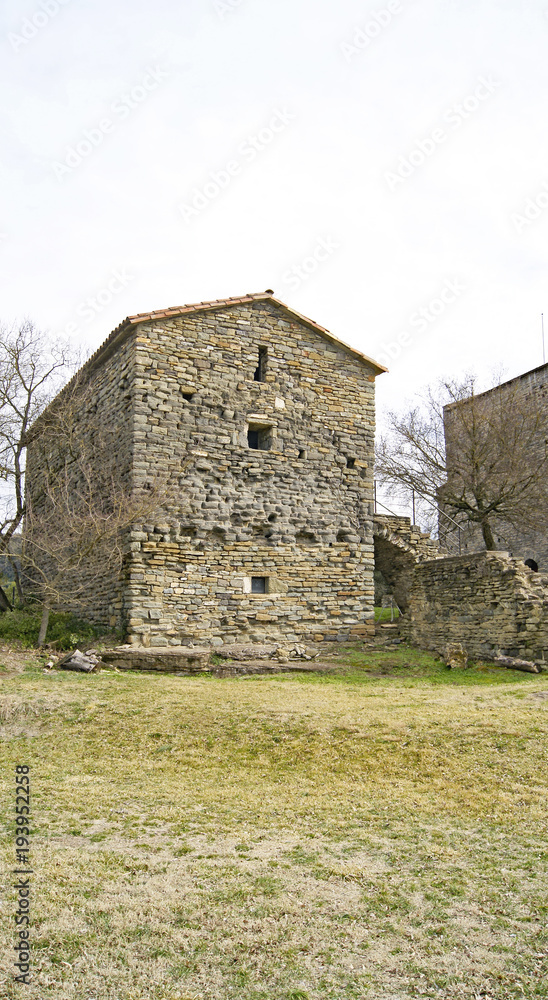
117	334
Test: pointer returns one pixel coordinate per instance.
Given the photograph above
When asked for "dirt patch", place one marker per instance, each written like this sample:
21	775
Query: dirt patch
20	716
14	661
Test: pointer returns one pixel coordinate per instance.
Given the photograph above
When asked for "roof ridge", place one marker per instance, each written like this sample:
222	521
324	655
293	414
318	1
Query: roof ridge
131	321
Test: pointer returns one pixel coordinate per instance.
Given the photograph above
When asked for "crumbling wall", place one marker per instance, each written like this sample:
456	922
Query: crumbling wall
487	601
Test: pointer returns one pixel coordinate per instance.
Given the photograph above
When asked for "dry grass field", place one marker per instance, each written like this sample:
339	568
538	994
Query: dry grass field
376	834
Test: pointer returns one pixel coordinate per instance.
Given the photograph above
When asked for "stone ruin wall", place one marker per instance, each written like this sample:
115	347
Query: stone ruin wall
298	514
487	601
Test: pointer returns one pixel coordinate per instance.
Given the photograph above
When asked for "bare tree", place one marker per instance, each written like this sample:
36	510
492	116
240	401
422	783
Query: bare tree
483	458
32	369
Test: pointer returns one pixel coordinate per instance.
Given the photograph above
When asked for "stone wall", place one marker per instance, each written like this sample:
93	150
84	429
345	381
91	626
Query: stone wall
261	430
488	601
98	408
295	512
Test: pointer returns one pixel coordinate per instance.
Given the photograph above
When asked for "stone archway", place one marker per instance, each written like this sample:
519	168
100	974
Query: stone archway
399	546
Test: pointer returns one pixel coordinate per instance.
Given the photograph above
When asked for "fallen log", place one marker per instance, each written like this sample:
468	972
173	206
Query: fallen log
85	663
513	664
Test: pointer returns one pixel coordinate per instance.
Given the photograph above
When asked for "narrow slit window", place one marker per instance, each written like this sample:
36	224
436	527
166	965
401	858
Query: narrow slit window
259	584
260	371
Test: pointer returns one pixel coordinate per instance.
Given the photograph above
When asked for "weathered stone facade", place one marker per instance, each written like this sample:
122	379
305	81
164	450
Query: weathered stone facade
97	403
524	543
488	602
260	424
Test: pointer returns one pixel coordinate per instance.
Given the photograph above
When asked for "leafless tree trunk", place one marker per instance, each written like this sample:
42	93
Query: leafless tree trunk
17	578
44	622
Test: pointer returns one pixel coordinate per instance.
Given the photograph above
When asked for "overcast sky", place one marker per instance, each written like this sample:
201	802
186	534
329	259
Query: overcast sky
382	166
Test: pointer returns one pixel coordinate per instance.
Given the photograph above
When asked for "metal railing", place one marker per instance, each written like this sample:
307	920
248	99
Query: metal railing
427	500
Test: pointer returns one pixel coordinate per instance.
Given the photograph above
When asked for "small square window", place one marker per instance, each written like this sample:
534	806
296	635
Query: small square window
259	584
259	437
350	462
188	396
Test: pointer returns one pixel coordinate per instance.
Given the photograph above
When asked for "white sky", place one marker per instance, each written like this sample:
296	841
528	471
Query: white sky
221	70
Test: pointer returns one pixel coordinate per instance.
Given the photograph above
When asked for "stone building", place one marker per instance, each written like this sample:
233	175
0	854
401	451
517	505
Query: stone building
261	425
527	393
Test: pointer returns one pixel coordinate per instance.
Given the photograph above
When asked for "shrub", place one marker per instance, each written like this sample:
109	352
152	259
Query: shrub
66	631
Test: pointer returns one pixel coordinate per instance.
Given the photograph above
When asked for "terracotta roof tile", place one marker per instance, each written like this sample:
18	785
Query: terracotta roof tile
169	313
111	343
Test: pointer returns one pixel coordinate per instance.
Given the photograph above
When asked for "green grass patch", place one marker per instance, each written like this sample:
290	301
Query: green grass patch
374	833
386	615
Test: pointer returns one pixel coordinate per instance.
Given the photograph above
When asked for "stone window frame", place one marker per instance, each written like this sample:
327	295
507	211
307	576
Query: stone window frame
266	425
276	587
